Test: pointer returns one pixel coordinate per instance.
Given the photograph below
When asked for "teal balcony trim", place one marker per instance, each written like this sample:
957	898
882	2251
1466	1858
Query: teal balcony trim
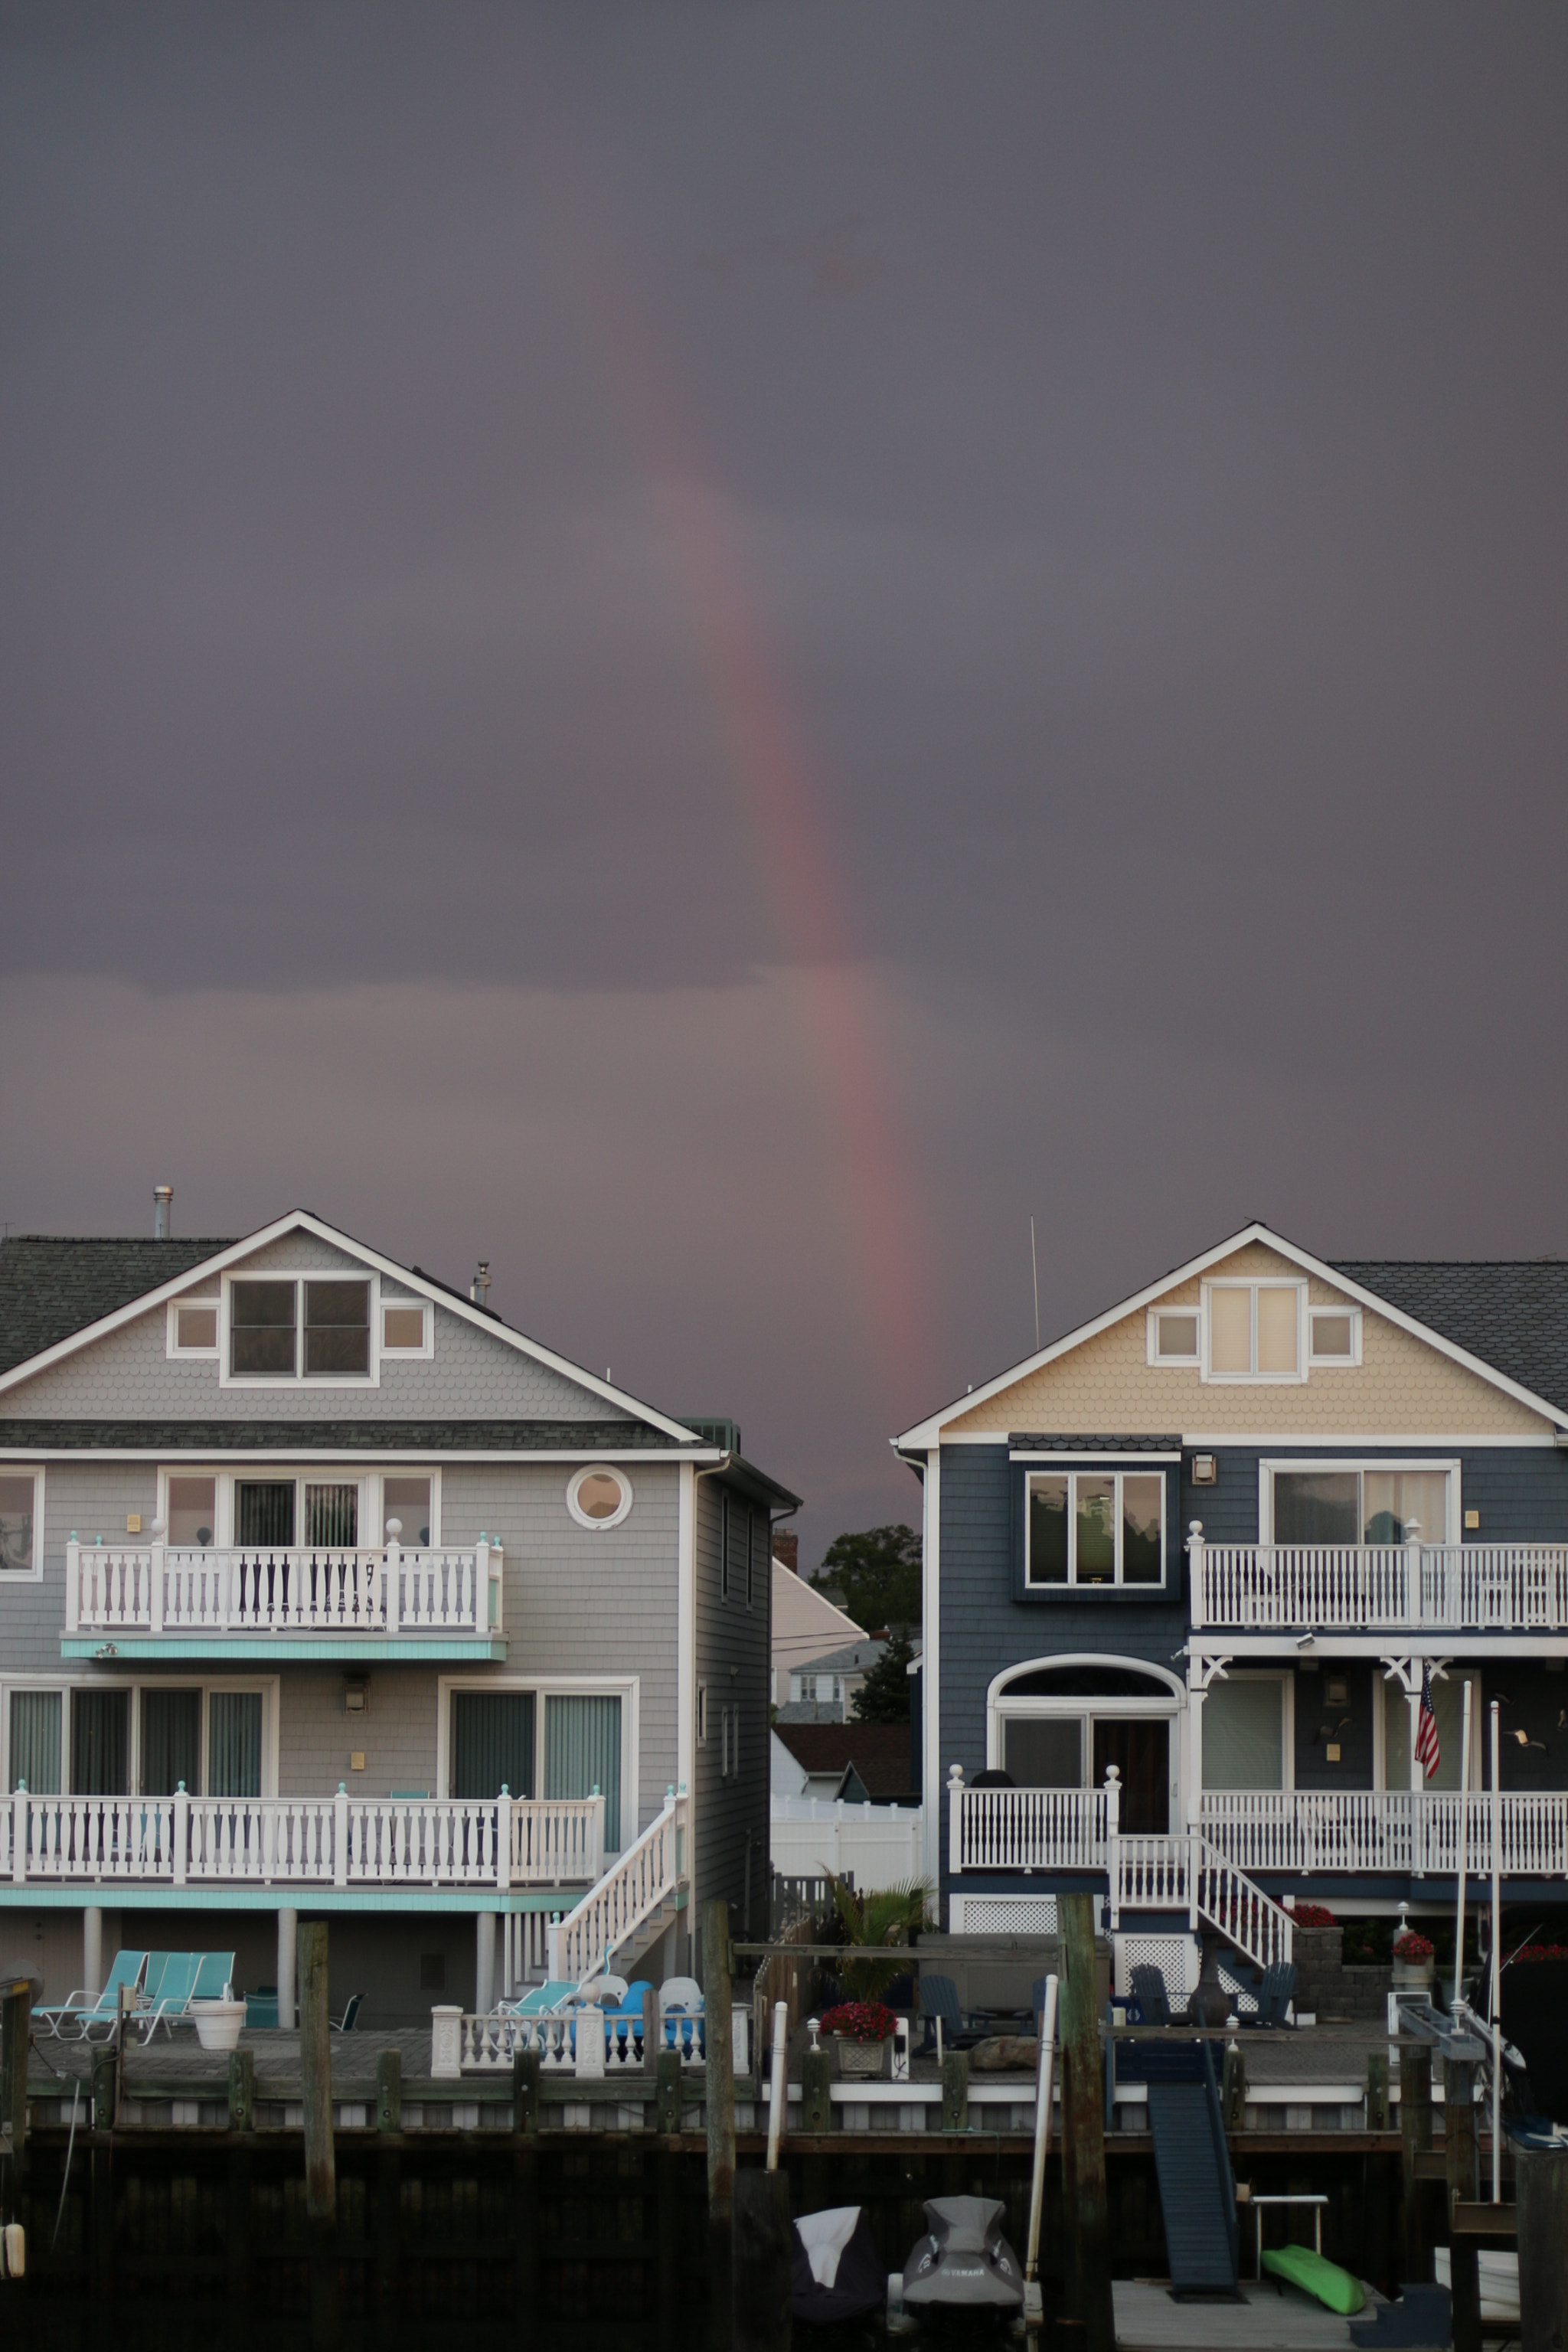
338	1649
127	1894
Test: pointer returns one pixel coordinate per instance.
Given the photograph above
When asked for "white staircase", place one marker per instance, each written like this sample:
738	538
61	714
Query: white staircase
625	1914
1187	1873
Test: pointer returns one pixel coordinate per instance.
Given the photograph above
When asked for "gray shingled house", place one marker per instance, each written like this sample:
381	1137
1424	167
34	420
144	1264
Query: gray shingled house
325	1592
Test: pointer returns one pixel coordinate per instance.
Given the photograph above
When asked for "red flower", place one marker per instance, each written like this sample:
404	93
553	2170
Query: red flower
860	2021
1313	1915
1412	1946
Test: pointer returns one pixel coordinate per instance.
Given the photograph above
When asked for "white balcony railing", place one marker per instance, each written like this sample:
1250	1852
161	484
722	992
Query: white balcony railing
1017	1829
582	2043
260	1588
1379	1588
342	1840
649	1875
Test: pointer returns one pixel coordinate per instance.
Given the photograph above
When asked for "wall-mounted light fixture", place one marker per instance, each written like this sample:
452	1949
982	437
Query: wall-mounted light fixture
356	1694
1205	1469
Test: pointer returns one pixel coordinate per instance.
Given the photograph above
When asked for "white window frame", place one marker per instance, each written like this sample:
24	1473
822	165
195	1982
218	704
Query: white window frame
421	1306
1431	1464
1286	1677
702	1715
600	1470
1166	1707
1193	1313
33	1575
1075	1470
267	1685
627	1688
1254	1283
1333	1363
297	1379
370	1486
173	1349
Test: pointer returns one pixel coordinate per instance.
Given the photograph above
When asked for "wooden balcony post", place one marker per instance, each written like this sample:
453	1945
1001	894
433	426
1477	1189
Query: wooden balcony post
1415	1598
155	1559
1196	1572
73	1585
956	1818
481	1599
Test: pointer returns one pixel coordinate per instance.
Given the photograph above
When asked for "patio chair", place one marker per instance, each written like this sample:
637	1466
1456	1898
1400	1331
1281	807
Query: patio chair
540	1999
85	2011
345	2024
939	1999
178	1983
215	1974
681	2014
1149	1993
1275	1994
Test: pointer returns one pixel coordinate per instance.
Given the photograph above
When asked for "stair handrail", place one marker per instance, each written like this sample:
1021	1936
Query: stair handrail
599	1908
1260	1928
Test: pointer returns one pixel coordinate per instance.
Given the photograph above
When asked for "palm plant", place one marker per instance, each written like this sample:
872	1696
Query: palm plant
882	1916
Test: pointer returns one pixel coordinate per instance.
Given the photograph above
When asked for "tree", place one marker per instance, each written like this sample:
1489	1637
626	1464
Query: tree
877	1572
884	1695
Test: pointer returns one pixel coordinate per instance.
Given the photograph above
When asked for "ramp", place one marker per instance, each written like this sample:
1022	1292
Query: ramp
1197	2189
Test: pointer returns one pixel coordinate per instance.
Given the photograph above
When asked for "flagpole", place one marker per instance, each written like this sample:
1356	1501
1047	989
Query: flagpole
1464	1835
1497	1965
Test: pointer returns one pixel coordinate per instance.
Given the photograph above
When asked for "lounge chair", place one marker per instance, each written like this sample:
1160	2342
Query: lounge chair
540	1999
175	1991
84	2011
1149	1993
939	2002
1275	1994
345	2024
215	1975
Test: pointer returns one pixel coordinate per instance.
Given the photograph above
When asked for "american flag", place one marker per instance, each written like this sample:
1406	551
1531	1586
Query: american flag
1427	1752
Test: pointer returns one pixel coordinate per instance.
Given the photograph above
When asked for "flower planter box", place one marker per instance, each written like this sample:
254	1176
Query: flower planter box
1415	1976
862	2060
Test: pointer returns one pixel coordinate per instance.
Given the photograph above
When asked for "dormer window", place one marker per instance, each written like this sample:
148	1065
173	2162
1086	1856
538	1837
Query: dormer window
303	1329
1255	1330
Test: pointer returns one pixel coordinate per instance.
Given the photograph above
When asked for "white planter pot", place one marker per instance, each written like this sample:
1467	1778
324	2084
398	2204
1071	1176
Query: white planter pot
219	2023
1414	1976
865	2058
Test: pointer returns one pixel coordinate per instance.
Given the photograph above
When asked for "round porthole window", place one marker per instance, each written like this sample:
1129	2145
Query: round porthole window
599	1497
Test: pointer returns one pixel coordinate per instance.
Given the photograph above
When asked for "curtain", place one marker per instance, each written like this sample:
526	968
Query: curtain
492	1743
36	1741
1044	1751
1393	1500
331	1516
1243	1735
1317	1507
171	1742
264	1514
100	1742
234	1744
583	1752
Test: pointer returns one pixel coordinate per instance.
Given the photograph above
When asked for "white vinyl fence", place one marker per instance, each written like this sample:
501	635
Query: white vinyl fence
877	1845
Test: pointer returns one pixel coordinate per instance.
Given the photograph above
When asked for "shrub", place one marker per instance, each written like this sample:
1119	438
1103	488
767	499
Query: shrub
1540	1952
860	2021
1314	1915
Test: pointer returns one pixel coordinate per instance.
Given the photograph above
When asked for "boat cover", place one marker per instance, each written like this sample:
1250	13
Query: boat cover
963	2262
836	2272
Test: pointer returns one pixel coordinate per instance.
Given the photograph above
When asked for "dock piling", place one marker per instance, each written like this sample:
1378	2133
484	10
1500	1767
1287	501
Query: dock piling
719	2103
1416	2139
1462	2155
1086	2215
954	2090
525	2093
389	2091
761	2243
1542	2174
241	2090
321	2162
817	2090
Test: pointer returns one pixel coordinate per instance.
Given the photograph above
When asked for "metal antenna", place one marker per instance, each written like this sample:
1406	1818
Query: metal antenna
1035	1270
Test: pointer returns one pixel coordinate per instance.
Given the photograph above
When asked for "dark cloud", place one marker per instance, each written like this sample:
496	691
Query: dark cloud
1134	437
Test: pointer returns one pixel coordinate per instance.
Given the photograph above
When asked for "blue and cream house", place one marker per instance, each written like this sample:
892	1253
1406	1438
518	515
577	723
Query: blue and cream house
326	1593
1186	1570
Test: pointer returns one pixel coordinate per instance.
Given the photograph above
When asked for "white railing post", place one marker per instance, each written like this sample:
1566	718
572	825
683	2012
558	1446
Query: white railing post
73	1585
19	1835
1415	1598
340	1838
1113	1840
494	1602
155	1559
956	1818
445	2042
181	1832
503	1839
1195	1571
393	1601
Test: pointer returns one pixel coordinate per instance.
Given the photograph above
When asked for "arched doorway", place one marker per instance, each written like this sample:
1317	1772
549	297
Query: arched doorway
1061	1723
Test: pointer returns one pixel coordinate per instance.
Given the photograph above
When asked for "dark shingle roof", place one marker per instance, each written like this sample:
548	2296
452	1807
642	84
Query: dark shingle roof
1052	1442
1510	1312
52	1286
878	1752
335	1436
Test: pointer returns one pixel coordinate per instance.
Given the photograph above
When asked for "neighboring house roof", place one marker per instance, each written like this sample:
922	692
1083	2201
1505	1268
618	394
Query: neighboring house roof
860	1657
805	1621
51	1287
1510	1312
1546	1358
333	1437
878	1752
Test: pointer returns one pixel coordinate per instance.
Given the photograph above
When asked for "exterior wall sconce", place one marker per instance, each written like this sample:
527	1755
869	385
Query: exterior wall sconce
1205	1469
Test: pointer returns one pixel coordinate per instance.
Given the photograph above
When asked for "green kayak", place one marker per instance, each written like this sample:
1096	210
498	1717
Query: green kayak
1315	2275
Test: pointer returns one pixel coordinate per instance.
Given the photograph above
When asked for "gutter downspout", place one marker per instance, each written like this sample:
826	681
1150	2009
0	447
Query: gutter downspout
686	1673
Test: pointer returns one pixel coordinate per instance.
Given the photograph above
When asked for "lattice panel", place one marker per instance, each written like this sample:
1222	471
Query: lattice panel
1175	1957
1005	1914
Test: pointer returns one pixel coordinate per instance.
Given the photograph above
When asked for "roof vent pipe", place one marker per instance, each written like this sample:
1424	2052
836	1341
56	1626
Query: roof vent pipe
163	1194
479	1290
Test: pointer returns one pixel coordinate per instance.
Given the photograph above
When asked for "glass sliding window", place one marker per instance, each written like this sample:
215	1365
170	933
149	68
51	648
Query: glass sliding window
192	1512
264	1512
408	1500
583	1752
171	1742
1230	1331
234	1744
331	1516
1393	1501
492	1743
1044	1752
19	1502
337	1327
101	1743
36	1741
1243	1734
1095	1528
261	1327
1317	1507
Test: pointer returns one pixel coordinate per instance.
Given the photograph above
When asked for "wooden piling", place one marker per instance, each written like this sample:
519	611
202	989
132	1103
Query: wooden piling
1542	2174
389	2091
817	2090
105	2081
955	2090
525	2093
667	2092
321	2163
1415	2138
1374	2178
15	2034
1462	2159
1233	2094
241	2090
761	2243
718	2097
1086	2213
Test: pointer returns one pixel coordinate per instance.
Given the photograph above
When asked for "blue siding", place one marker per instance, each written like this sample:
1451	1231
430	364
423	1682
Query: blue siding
1520	1491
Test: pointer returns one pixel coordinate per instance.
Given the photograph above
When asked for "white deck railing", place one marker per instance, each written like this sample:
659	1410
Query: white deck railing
339	1841
583	2043
315	1589
1388	1829
648	1875
1379	1588
1025	1828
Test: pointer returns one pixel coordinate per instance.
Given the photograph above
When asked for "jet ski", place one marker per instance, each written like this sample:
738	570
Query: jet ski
964	2263
836	2272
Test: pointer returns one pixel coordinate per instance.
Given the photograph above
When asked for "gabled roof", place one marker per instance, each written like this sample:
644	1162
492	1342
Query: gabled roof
52	1286
1348	1278
878	1752
119	1280
1510	1312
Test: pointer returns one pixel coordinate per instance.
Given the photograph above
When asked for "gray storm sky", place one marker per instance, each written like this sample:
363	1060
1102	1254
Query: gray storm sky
714	652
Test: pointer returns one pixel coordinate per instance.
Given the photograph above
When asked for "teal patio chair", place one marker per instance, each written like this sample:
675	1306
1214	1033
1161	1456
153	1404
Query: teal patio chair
175	1987
82	2011
214	1976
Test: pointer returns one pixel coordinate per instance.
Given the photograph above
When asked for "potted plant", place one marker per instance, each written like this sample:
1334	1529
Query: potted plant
1412	1962
219	2023
861	2030
883	1918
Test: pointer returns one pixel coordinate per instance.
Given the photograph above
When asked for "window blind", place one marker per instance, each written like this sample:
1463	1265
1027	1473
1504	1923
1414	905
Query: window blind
583	1752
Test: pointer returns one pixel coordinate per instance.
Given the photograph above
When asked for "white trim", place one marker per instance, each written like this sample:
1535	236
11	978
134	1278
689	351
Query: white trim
33	1575
599	1470
1333	1363
301	1221
283	1470
1430	1464
1254	1377
1249	1437
627	1688
1117	1582
1158	1315
66	1681
930	1669
393	1305
173	1349
1056	1660
711	1456
928	1432
686	1658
